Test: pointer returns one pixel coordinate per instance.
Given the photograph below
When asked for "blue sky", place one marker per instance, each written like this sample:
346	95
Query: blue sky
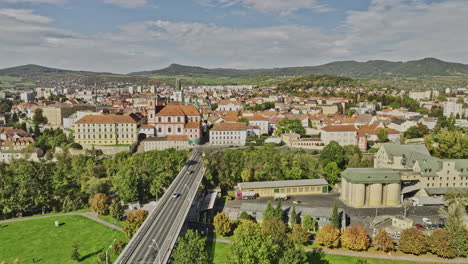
132	35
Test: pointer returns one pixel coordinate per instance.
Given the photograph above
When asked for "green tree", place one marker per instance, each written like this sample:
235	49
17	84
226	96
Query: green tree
222	224
294	256
191	248
309	222
335	216
244	216
244	120
279	214
287	125
116	210
382	135
439	243
38	117
413	241
75	255
333	152
293	220
275	229
454	215
450	144
250	246
332	172
299	235
269	212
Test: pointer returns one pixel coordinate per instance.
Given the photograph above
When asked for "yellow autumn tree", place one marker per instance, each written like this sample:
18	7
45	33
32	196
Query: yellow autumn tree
355	238
329	236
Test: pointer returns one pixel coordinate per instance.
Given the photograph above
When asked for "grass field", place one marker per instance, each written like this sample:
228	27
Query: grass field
41	240
222	250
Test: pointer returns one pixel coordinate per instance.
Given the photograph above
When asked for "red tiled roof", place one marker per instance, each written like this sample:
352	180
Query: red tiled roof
256	118
238	126
343	128
178	110
106	119
192	125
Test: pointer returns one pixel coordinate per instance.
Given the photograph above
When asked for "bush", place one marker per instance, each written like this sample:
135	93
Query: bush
76	146
222	224
75	255
116	209
329	236
118	246
413	241
355	238
100	203
299	235
246	217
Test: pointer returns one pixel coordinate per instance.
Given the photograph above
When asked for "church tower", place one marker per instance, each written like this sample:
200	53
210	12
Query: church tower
178	94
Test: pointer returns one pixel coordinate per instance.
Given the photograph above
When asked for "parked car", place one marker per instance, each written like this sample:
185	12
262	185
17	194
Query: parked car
419	226
426	221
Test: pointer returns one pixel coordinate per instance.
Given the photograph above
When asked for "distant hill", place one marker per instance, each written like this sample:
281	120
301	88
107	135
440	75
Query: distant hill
35	70
376	68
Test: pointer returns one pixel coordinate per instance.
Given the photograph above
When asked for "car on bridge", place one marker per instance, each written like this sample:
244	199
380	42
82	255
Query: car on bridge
175	195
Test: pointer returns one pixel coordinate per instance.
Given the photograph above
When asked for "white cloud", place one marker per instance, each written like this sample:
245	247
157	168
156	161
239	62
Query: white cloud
127	3
408	29
23	15
52	2
282	7
395	30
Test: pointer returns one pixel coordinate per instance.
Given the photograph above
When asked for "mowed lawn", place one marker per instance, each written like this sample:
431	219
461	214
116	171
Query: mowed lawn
222	251
42	240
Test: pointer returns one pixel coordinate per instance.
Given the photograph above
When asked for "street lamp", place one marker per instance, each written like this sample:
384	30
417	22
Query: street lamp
107	255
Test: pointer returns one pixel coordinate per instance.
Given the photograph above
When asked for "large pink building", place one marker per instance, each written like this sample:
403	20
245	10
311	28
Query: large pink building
177	119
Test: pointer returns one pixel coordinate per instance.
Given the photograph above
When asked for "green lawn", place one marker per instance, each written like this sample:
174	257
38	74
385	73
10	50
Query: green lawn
111	220
222	251
41	240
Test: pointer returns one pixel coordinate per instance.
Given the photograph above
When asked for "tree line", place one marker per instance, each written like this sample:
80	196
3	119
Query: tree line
70	182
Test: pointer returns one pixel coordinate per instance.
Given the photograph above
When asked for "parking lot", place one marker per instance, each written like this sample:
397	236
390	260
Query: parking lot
357	216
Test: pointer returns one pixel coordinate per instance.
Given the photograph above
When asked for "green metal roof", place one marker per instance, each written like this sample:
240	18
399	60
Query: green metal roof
371	175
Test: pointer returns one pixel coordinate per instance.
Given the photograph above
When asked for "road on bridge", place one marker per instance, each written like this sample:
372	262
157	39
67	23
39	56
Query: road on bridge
155	239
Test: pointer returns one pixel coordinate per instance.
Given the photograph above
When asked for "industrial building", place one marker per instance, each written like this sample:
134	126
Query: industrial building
370	187
401	172
293	187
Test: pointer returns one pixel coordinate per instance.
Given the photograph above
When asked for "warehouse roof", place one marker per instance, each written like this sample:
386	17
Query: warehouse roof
371	175
280	184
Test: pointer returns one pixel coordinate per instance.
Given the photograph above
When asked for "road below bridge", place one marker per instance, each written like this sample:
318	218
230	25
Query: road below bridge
155	239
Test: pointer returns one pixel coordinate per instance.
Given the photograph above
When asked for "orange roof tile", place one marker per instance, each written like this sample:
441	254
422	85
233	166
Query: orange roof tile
192	125
106	119
238	126
342	128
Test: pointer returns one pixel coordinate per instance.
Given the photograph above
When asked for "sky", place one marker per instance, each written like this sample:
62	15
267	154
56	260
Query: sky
123	36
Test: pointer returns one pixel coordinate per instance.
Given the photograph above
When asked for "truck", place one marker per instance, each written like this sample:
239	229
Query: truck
421	201
281	196
246	195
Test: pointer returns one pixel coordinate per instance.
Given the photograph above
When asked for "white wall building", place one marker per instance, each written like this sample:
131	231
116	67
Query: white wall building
229	134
